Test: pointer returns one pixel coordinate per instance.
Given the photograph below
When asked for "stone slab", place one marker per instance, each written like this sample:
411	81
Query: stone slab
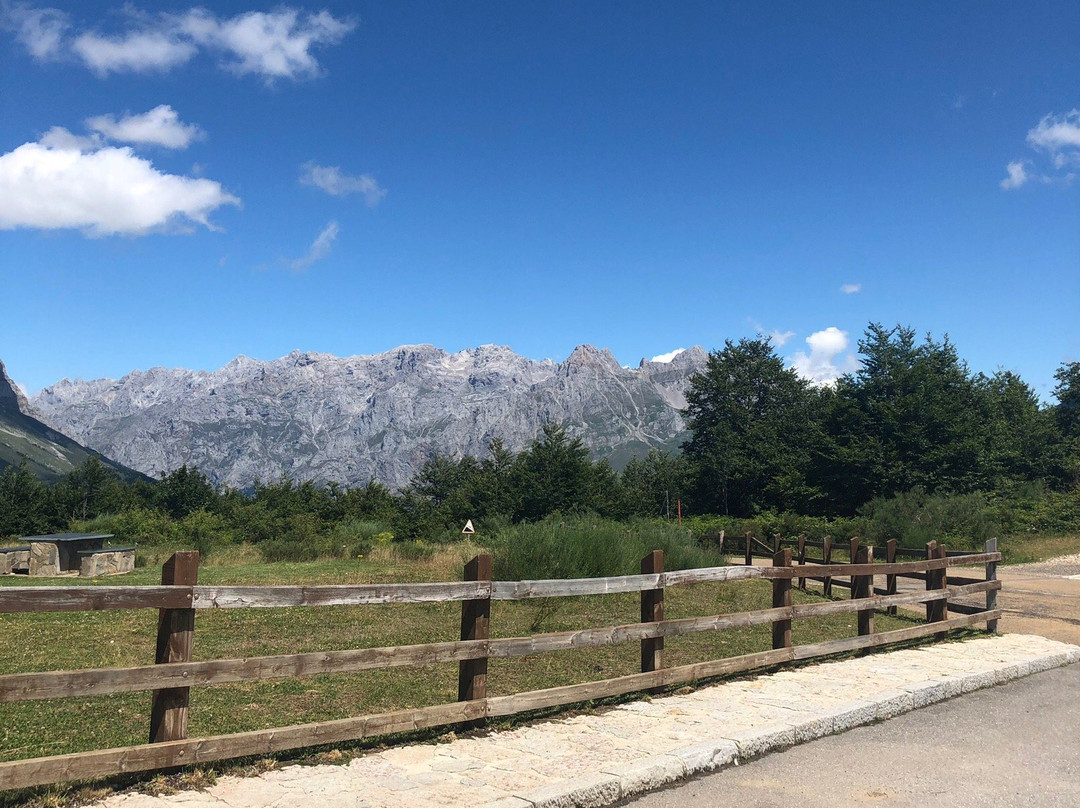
603	758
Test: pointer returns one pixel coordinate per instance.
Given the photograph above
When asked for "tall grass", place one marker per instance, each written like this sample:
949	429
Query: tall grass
583	547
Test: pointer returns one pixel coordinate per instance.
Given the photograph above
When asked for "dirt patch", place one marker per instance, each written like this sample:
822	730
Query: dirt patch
1042	598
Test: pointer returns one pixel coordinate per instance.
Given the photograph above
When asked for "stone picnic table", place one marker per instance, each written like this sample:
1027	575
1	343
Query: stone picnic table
84	554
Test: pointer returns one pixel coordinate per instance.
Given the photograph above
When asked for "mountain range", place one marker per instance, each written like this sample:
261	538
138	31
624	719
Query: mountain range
320	417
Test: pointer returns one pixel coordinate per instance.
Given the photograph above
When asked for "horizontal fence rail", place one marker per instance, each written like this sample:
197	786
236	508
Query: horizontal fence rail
179	597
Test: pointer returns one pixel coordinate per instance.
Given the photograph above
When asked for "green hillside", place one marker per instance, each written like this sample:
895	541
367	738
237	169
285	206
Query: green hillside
49	454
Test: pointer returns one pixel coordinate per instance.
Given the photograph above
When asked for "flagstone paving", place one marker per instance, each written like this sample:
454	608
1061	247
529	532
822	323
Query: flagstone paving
599	759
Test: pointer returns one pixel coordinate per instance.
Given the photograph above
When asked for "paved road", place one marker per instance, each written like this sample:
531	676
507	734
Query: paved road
1013	745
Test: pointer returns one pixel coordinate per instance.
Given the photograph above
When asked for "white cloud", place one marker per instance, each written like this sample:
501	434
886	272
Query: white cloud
137	52
1058	136
160	126
667	357
60	138
102	191
778	338
1056	132
1017	175
334	182
851	288
826	361
273	45
320	248
40	30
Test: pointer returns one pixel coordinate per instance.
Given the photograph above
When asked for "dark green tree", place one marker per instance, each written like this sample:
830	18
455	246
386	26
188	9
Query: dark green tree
91	489
1067	417
753	427
1067	393
554	474
24	502
1024	444
655	484
912	415
184	491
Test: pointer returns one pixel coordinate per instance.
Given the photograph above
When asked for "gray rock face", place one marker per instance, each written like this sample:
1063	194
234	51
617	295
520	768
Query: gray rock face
11	397
320	417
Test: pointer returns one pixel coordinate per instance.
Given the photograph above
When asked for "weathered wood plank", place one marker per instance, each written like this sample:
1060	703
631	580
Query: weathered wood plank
20	599
245	597
887	637
710	574
520	590
82	765
900	568
101	681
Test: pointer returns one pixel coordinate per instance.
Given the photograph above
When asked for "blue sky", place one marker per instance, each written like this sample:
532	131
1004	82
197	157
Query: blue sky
180	184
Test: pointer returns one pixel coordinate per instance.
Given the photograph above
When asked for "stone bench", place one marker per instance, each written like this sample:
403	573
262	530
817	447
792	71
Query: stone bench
106	561
14	559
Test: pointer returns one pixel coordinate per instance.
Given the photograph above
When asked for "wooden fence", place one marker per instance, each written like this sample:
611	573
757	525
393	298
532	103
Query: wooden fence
180	597
750	547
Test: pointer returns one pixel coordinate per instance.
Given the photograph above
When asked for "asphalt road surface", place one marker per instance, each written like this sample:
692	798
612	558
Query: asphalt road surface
1013	745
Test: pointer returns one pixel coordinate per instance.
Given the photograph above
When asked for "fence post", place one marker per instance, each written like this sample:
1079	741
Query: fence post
475	617
863	587
776	541
943	583
749	550
720	543
802	560
936	610
781	598
176	635
890	580
853	552
826	557
991	575
652	611
931	581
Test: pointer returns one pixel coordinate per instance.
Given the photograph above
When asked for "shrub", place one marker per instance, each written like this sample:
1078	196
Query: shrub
286	550
787	524
141	526
913	518
583	547
355	537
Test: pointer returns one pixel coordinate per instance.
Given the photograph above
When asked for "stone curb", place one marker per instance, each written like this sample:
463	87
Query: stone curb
616	784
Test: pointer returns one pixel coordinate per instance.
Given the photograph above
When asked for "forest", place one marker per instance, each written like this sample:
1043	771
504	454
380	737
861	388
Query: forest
912	445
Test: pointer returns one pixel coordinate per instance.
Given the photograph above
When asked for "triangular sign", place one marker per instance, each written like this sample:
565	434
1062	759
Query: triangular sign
468	530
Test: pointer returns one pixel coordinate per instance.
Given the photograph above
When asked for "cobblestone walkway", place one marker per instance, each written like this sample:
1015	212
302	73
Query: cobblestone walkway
594	760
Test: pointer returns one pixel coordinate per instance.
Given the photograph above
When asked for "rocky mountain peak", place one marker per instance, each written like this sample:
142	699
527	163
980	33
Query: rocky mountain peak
11	397
588	356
